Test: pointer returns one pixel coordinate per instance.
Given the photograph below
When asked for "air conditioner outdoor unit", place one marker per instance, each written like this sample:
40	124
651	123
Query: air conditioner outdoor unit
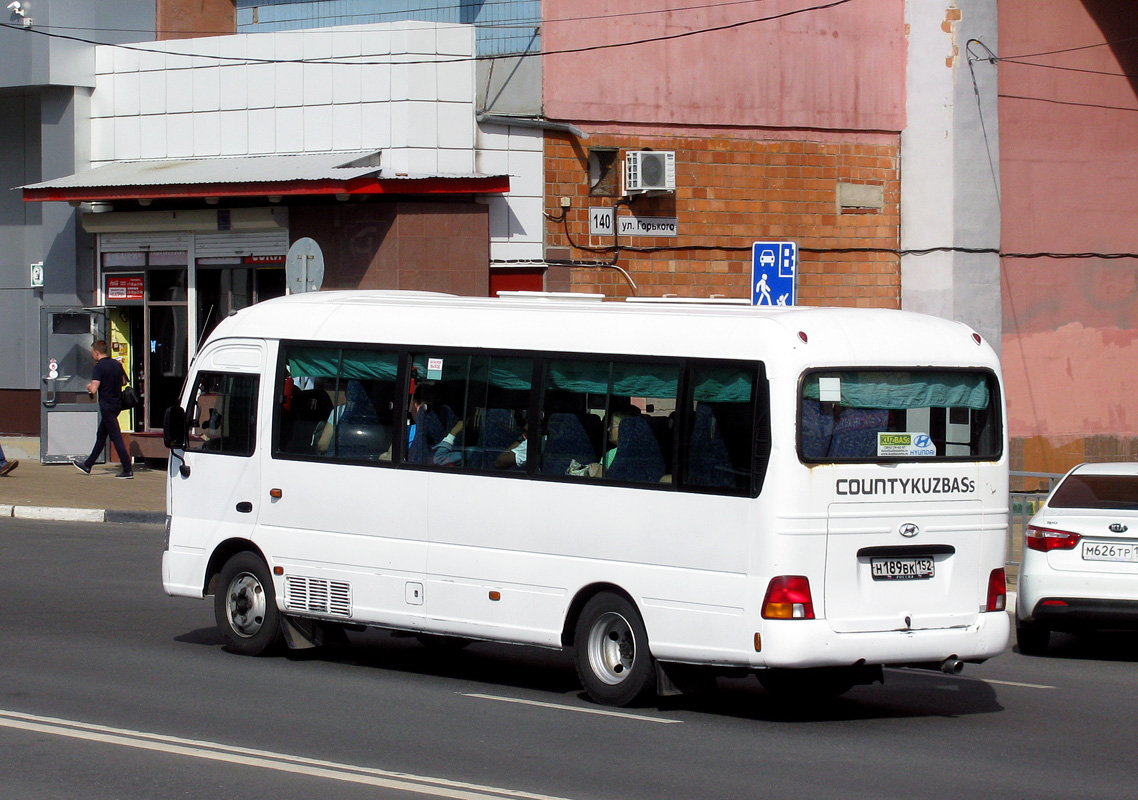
649	171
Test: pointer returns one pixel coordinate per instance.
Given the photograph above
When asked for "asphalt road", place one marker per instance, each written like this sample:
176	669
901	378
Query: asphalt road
110	689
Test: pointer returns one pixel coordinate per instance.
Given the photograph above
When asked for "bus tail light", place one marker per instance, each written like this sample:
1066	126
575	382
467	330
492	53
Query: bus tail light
788	597
1045	539
997	591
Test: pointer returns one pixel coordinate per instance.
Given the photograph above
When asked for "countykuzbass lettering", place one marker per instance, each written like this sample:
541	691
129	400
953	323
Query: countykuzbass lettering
904	486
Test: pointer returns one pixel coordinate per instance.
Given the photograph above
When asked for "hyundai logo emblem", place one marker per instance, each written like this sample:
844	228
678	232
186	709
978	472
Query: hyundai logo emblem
908	529
1118	527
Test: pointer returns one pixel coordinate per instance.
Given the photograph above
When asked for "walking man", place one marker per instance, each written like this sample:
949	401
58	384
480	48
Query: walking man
7	466
107	381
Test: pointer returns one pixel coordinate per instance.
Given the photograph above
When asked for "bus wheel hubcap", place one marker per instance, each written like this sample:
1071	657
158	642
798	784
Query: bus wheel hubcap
245	605
612	648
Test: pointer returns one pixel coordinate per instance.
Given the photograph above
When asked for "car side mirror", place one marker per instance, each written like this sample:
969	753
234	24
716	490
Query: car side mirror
174	427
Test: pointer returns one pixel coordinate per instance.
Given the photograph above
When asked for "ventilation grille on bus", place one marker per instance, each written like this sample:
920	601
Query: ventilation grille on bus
317	596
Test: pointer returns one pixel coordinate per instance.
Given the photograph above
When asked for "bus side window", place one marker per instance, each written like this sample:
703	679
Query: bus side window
468	410
721	428
626	405
341	405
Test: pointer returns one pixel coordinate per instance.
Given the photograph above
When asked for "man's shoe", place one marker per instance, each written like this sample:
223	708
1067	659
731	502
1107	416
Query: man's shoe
126	476
8	466
79	465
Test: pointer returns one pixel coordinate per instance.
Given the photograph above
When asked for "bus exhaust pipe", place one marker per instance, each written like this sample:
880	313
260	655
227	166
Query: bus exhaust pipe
952	666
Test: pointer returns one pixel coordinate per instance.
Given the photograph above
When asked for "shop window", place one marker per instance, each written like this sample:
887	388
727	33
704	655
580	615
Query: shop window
225	289
223	414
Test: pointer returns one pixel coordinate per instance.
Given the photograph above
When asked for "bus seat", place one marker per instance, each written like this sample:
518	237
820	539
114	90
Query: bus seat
855	432
662	430
709	463
595	429
500	432
565	441
638	455
359	432
308	409
434	423
817	429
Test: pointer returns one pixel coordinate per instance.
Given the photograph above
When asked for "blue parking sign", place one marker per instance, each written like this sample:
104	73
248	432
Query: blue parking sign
774	266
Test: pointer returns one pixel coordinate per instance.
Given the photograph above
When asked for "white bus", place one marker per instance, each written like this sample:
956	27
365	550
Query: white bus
803	493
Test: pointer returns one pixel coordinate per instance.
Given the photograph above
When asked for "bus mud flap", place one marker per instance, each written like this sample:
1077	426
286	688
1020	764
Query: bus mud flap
301	634
676	679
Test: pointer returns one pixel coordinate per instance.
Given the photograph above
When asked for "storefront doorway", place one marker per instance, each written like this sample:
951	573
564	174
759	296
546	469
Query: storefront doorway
149	296
147	293
226	285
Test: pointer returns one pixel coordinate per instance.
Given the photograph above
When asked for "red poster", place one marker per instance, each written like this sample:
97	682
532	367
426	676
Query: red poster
125	287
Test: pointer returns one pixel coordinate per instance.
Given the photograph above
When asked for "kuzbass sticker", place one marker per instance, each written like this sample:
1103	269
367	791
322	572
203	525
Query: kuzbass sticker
906	445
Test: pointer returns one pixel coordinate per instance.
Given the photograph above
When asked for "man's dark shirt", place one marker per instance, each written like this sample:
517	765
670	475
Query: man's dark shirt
109	374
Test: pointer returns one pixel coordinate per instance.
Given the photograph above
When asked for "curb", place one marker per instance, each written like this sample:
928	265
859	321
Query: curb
83	515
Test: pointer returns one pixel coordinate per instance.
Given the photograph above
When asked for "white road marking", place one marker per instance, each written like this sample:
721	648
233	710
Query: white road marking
578	709
1013	683
280	762
933	673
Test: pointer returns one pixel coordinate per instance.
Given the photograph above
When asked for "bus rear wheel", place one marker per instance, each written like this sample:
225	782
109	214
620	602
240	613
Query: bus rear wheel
611	651
245	606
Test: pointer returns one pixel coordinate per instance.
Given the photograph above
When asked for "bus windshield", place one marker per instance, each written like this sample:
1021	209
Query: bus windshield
887	415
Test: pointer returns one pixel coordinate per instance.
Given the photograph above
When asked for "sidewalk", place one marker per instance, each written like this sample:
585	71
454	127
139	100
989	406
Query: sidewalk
61	492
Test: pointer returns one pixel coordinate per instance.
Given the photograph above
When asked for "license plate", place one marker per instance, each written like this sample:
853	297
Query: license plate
901	569
1110	551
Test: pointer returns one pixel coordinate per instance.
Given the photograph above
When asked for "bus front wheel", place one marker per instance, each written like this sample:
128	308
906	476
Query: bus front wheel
611	651
245	606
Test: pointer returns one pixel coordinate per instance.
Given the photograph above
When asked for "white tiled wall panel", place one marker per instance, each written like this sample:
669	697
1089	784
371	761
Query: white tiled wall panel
207	134
207	89
347	127
405	88
152	130
275	104
234	88
128	138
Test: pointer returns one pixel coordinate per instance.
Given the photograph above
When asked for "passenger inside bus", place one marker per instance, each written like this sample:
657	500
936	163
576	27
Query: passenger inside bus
354	428
434	430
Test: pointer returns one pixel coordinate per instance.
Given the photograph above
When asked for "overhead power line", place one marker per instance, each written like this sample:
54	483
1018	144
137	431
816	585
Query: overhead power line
457	59
425	11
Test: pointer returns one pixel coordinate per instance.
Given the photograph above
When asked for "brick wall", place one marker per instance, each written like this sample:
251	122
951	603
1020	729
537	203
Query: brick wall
440	246
730	193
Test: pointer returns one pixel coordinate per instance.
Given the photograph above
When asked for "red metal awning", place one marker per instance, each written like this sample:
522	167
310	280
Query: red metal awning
307	174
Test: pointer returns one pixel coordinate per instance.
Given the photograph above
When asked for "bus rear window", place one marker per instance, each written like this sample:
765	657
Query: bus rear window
889	415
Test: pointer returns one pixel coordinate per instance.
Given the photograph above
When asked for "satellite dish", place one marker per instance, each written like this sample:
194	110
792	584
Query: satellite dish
304	267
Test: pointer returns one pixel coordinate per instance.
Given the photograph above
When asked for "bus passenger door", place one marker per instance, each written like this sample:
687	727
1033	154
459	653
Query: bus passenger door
215	495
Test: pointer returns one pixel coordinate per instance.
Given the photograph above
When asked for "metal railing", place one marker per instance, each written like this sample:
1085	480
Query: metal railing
1028	490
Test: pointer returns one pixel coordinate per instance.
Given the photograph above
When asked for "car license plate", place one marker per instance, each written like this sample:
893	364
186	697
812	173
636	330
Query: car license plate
1110	551
901	569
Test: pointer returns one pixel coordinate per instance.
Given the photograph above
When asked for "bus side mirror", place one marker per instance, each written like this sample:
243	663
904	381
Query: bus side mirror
174	427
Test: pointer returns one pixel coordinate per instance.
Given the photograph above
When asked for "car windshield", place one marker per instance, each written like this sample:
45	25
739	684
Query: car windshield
1097	491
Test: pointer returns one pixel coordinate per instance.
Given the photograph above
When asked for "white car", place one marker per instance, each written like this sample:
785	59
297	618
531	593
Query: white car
1080	557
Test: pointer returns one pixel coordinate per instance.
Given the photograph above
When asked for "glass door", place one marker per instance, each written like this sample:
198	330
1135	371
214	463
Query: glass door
167	341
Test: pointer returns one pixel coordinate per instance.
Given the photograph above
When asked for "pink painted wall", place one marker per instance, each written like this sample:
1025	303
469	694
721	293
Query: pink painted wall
841	69
1069	184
